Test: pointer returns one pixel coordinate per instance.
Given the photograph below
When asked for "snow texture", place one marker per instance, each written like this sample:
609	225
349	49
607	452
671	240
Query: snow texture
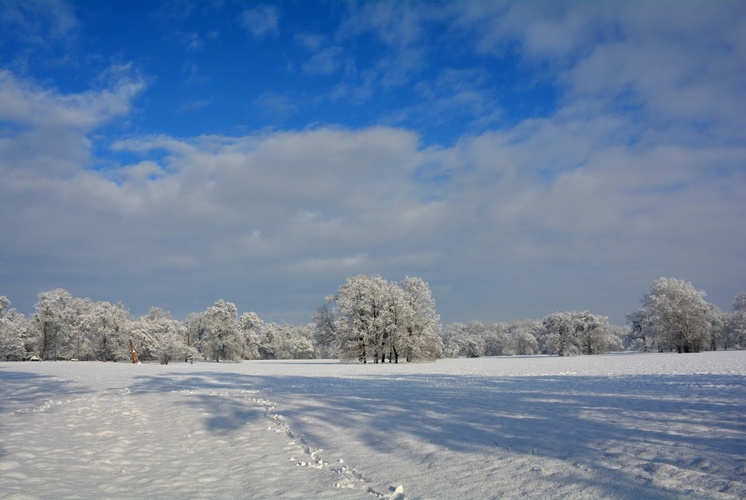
611	426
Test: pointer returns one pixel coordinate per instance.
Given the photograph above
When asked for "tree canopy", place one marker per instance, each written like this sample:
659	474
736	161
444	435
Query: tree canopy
673	315
371	319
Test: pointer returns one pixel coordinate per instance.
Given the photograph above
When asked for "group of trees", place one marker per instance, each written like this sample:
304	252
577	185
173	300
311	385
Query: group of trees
65	327
368	319
674	316
371	319
579	333
475	339
560	333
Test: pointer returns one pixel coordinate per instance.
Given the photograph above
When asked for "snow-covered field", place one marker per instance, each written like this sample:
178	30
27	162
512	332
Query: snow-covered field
611	426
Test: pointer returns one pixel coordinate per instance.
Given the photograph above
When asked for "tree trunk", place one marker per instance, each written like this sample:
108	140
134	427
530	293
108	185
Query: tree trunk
133	352
44	341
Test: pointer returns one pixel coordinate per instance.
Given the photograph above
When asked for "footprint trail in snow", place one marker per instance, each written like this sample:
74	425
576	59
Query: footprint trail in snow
307	456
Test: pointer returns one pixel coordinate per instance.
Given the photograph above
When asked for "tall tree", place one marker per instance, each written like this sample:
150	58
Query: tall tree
397	312
163	338
224	337
324	330
250	325
361	303
371	319
13	332
716	331
421	322
106	328
57	315
196	332
594	335
735	326
675	315
522	337
561	334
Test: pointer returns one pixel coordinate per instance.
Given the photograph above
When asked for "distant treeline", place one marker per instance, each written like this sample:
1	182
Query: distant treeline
368	319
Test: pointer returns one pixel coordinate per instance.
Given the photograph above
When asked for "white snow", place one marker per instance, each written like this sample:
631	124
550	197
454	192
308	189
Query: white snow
611	426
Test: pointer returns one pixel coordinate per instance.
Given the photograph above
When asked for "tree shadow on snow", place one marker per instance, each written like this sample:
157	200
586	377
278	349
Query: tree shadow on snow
221	398
613	425
652	421
24	393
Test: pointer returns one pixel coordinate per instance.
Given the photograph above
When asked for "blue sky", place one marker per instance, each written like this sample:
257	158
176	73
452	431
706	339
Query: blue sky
521	157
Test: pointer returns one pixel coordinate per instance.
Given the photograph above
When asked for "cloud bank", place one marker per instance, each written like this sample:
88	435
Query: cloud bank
637	170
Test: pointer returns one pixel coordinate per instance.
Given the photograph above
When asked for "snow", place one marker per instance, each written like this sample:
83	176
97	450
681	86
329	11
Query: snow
612	426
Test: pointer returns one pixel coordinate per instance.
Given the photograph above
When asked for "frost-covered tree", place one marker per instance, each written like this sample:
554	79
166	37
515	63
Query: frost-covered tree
716	331
464	340
324	330
570	333
451	334
496	342
675	316
521	338
492	339
561	334
421	323
640	337
269	344
57	319
594	335
13	332
735	324
223	335
371	319
358	323
250	325
196	332
106	332
160	337
285	341
395	321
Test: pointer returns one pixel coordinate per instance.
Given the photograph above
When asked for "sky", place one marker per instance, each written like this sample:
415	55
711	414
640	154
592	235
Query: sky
521	157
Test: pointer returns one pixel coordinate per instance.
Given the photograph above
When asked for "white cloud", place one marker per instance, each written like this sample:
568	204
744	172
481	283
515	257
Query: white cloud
671	61
335	202
39	22
261	21
312	42
23	102
49	135
324	62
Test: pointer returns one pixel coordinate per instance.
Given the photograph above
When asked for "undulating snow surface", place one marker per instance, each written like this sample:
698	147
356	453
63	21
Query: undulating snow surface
611	426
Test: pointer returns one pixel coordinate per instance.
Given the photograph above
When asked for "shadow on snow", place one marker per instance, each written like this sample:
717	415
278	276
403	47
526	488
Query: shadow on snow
23	392
649	420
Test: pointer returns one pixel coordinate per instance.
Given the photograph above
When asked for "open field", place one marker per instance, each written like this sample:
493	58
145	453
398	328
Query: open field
610	426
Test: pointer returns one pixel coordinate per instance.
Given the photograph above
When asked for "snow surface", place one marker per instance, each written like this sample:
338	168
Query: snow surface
611	426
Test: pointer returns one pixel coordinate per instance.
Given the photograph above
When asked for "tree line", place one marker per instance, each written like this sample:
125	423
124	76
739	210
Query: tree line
368	319
69	328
